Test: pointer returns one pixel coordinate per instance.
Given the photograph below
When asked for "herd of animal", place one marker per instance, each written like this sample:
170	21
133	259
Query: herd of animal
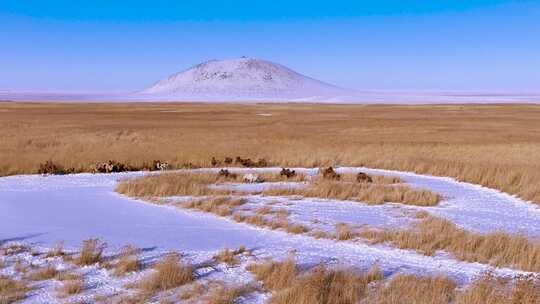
112	166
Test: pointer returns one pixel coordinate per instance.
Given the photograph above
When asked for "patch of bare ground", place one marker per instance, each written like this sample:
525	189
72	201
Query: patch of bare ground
431	234
12	290
169	272
363	192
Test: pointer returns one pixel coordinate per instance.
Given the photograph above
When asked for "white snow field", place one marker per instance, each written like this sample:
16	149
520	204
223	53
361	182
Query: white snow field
41	210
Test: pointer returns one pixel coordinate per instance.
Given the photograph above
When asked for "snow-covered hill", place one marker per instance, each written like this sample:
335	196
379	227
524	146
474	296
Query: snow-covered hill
241	78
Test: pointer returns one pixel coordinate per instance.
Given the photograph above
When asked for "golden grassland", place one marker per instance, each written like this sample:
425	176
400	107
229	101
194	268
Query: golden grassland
362	192
290	285
197	184
433	233
492	145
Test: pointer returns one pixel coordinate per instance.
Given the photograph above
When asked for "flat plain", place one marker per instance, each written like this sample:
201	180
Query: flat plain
492	145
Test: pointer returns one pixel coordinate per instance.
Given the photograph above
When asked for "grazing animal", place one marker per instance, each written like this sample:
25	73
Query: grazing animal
361	177
287	172
252	178
247	162
225	173
110	166
228	160
161	166
214	162
330	173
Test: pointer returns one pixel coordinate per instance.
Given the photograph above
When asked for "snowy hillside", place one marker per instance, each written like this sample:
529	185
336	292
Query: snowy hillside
241	78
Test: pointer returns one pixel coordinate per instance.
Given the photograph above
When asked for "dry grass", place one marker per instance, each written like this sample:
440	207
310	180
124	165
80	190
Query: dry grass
168	273
276	221
68	276
493	145
229	256
12	290
221	206
324	286
411	289
56	251
224	294
276	177
182	183
12	249
91	252
489	289
44	273
275	275
127	262
377	179
318	285
432	234
214	292
367	193
343	232
71	287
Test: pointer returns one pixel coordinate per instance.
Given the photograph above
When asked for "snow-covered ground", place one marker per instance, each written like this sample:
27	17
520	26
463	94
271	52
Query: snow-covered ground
41	210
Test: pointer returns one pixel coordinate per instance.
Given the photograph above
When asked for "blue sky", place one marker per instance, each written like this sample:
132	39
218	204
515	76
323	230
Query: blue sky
125	45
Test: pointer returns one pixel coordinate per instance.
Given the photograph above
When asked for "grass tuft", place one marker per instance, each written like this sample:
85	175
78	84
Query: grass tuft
168	273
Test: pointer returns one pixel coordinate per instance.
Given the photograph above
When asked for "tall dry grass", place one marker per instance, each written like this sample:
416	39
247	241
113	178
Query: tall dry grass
489	289
127	262
12	290
198	184
367	193
220	205
91	252
323	285
412	289
71	287
318	285
181	183
492	145
169	272
432	234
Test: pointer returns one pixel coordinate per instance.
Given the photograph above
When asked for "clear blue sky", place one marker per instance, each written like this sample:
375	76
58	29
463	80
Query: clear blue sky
124	45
